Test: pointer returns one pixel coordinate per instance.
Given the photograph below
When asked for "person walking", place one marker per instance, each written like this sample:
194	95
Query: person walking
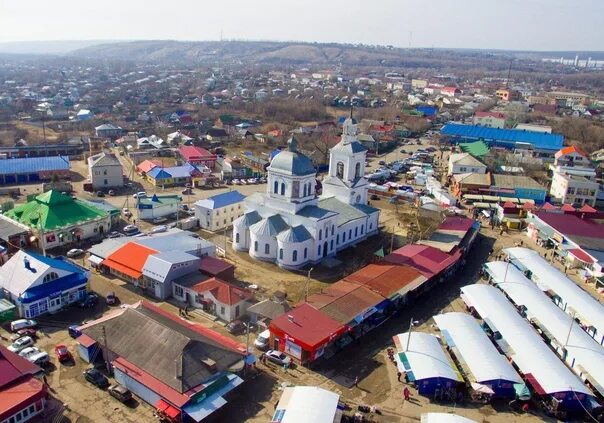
356	382
406	393
398	376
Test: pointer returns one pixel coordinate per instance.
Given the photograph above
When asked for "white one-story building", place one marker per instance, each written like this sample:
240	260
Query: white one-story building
219	211
291	225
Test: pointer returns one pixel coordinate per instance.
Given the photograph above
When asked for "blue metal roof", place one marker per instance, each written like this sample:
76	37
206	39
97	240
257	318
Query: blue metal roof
33	165
539	140
221	200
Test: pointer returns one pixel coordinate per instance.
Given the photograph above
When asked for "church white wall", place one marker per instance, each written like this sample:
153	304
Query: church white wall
287	260
373	224
352	232
244	238
260	253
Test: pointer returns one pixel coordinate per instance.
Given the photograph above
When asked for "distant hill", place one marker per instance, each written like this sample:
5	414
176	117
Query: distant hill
45	47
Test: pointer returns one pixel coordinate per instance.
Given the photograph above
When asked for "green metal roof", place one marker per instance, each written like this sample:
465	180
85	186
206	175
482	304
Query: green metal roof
476	149
53	210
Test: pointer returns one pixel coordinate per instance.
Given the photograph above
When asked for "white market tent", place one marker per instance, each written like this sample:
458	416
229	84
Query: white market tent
584	355
444	418
574	299
301	404
540	365
426	357
462	331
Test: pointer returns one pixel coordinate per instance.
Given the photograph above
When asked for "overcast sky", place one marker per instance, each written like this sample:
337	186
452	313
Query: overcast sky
489	24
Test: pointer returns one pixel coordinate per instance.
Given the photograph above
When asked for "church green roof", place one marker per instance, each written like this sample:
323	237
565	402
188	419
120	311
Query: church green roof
53	209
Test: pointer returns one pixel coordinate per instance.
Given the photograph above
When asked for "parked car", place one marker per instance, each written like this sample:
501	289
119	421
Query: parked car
90	301
236	327
131	230
40	359
381	162
141	194
111	299
96	378
120	393
17	325
100	194
236	181
31	332
278	357
21	343
158	229
159	220
126	211
114	234
187	191
262	339
111	193
252	181
73	331
74	252
26	352
62	353
374	197
184	207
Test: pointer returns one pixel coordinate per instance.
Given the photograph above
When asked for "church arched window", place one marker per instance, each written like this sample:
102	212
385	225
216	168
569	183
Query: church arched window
237	238
295	256
340	170
282	188
358	199
305	188
276	187
281	254
357	170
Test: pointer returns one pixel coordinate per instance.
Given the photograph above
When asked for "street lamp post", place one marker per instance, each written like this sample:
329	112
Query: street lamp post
411	324
307	283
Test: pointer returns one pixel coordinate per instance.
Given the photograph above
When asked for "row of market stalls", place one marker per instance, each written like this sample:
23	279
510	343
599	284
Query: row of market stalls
330	320
565	293
564	335
560	391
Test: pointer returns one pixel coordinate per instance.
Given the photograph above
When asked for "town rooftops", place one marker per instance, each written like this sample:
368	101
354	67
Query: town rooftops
388	279
33	165
465	159
104	159
544	141
569	150
221	200
514	181
224	292
130	259
427	260
178	353
497	115
476	148
586	233
192	153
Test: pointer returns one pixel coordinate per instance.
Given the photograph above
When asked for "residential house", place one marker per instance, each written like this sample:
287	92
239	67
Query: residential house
197	156
517	186
182	369
108	130
507	95
568	188
39	285
465	163
450	91
263	312
218	212
57	220
572	156
464	183
214	296
23	394
84	115
489	119
105	171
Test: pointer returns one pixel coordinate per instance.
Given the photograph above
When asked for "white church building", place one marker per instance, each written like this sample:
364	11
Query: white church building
290	225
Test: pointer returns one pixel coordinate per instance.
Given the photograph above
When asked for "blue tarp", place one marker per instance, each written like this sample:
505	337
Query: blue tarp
504	137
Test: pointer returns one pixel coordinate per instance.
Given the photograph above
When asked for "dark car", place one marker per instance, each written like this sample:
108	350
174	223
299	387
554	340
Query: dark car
111	299
73	331
374	197
100	194
120	393
236	327
90	301
96	378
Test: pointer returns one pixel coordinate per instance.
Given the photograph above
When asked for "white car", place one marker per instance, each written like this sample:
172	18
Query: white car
141	194
26	352
74	252
243	182
278	357
236	181
21	344
252	181
159	220
158	229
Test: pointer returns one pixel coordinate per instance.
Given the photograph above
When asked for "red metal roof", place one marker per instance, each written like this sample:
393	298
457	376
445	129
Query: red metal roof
429	261
569	224
224	292
386	279
456	223
147	165
129	259
569	150
308	327
20	395
497	115
581	255
13	367
192	153
213	265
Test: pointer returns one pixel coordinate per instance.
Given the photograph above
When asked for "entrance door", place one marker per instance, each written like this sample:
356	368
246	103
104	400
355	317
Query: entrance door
187	298
276	344
325	249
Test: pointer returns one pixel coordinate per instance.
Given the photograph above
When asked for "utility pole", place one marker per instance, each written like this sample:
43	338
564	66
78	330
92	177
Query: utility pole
392	239
409	335
307	283
106	349
225	242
